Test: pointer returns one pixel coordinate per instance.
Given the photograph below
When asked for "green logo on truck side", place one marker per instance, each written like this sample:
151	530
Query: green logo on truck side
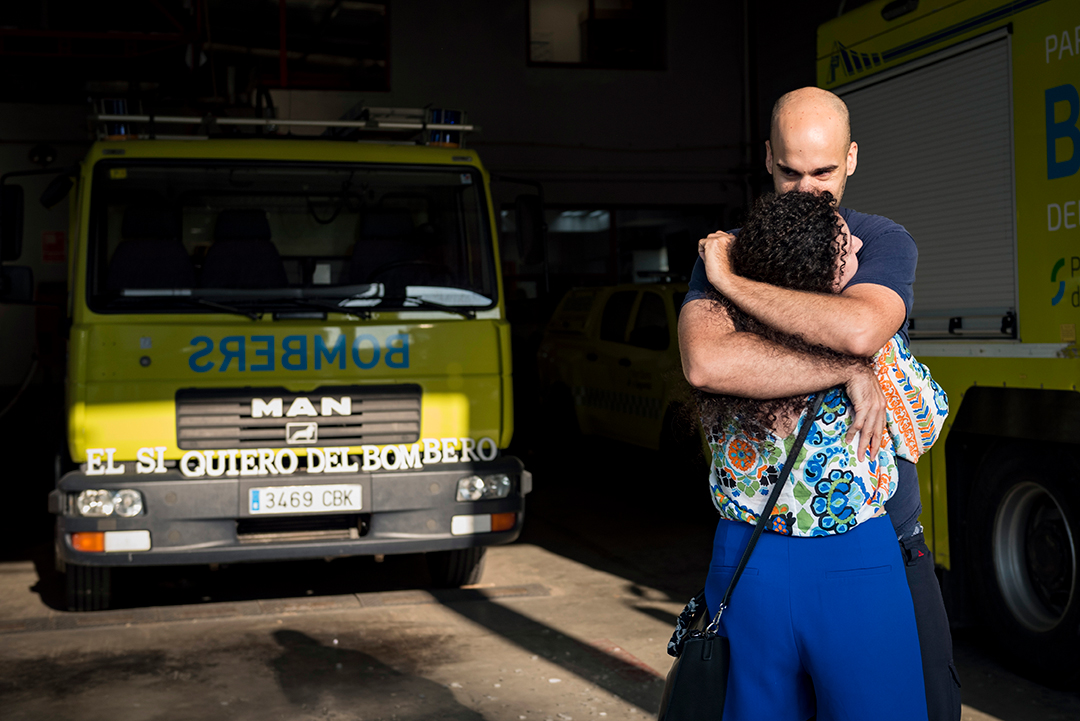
1061	284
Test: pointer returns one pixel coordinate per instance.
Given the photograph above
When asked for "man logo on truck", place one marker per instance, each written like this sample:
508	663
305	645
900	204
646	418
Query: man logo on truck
301	432
274	408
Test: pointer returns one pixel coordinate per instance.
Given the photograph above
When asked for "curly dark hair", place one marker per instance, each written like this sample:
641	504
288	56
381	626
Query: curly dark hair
792	241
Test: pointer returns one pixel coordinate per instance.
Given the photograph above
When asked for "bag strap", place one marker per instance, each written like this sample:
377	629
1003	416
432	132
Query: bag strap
766	512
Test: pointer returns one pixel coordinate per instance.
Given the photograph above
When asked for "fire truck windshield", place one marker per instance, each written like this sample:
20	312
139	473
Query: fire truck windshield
247	237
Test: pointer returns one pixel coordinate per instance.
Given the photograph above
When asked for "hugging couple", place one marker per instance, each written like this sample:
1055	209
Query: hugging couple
838	614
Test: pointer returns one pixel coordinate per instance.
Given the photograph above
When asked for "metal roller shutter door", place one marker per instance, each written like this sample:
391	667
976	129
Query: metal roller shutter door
935	155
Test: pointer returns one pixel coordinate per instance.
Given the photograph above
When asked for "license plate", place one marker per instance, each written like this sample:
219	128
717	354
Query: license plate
305	499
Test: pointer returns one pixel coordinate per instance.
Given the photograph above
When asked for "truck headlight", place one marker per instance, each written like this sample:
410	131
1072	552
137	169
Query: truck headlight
475	488
497	486
99	503
470	489
127	503
95	503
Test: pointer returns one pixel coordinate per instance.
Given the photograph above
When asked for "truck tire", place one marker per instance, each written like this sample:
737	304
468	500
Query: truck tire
89	588
452	569
1024	551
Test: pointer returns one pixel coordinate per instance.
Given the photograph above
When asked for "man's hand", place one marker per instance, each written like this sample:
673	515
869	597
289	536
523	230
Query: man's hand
714	253
865	393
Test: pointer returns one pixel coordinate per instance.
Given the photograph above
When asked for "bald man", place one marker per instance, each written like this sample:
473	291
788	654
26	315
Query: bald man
810	149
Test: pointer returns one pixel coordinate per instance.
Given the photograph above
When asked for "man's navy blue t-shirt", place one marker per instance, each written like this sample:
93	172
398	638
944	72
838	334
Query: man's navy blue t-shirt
887	258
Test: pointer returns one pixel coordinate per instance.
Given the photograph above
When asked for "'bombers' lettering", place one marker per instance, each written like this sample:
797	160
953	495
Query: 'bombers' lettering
252	354
245	462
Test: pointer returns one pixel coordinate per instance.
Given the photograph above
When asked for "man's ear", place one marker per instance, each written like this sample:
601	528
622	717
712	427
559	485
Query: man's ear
852	157
768	157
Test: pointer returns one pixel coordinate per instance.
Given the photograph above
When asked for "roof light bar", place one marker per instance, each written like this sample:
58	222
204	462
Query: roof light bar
360	124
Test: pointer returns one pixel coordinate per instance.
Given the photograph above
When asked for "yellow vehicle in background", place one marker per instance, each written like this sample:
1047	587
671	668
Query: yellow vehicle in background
609	359
966	117
282	349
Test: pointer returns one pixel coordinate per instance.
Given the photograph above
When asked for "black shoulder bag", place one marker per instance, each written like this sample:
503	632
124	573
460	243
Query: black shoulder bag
696	685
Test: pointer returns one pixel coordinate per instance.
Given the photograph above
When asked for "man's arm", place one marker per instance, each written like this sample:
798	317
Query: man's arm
718	359
858	321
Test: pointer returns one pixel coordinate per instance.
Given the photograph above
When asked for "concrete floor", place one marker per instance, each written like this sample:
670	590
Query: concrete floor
536	644
547	635
571	622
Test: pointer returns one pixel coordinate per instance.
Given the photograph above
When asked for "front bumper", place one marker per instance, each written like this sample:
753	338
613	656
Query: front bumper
196	521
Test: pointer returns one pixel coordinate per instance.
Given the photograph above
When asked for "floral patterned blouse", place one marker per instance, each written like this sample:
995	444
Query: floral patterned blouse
830	490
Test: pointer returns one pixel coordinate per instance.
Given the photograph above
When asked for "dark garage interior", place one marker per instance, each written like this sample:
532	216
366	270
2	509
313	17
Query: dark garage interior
612	135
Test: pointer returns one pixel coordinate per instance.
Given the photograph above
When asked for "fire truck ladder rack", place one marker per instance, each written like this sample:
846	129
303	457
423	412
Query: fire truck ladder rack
423	126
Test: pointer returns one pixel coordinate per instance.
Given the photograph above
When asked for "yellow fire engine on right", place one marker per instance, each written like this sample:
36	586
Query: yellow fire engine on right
966	117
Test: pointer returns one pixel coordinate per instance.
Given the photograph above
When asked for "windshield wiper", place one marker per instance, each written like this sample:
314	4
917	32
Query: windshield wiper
334	304
419	302
254	315
323	304
184	296
329	306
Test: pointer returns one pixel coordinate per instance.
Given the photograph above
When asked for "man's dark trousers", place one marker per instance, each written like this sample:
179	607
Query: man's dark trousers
935	640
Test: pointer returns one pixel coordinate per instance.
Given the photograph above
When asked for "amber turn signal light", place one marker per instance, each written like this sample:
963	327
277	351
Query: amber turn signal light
92	541
503	521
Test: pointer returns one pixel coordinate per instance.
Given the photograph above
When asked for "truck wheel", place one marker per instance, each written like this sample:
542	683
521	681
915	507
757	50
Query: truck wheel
451	569
1025	560
89	588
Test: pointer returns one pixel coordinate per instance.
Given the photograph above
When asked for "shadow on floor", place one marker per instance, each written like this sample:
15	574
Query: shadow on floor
619	676
313	675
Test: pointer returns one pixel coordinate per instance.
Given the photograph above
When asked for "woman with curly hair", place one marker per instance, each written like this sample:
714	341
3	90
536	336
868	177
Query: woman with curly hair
821	621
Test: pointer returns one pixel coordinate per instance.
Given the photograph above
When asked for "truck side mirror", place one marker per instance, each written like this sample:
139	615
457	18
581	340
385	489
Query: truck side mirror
57	189
16	284
11	221
531	228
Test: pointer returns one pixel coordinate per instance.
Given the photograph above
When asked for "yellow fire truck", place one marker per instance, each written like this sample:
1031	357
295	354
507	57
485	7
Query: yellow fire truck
966	112
280	349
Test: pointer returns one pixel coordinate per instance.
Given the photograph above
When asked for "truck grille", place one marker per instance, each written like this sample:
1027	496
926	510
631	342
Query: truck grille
276	418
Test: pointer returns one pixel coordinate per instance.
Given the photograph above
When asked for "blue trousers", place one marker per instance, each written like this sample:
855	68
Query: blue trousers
818	625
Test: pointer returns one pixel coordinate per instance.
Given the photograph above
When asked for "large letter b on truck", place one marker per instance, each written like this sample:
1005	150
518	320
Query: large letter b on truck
1066	129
